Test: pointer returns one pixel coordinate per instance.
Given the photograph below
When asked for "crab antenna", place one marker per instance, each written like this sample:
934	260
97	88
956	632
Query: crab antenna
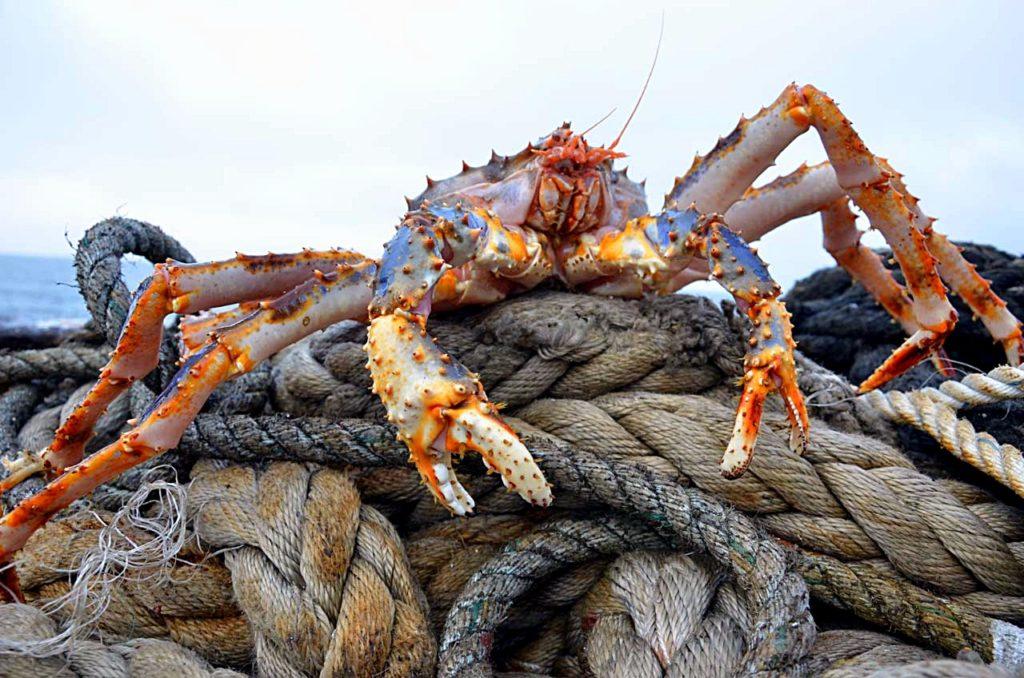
591	128
643	91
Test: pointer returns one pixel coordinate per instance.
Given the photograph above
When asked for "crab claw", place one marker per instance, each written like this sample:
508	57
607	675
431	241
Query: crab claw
440	408
436	469
768	366
918	346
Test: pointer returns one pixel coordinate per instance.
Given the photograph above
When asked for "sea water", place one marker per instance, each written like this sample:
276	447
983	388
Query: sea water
41	292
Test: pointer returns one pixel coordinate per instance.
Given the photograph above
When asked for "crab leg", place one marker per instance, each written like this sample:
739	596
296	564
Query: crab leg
195	329
438	406
802	192
717	180
319	302
769	364
173	288
869	185
816	189
964	279
842	241
647	254
712	184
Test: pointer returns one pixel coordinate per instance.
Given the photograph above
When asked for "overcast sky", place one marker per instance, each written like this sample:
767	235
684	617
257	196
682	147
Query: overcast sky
238	126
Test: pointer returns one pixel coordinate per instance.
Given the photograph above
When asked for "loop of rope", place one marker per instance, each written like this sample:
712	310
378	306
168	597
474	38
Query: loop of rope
779	627
98	266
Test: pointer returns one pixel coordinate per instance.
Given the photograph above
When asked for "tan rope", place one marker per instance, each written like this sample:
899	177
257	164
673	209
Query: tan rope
192	604
849	496
934	411
322	578
1002	383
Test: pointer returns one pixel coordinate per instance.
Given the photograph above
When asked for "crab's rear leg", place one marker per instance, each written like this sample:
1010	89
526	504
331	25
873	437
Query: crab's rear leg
717	180
173	288
961	275
321	301
194	330
870	186
816	189
438	406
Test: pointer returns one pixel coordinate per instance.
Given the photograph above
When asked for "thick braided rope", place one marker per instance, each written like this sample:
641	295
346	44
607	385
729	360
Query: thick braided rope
322	578
139	658
932	411
849	495
855	654
637	610
1002	383
623	484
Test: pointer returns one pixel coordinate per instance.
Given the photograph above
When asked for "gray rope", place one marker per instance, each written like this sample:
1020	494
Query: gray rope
98	266
76	362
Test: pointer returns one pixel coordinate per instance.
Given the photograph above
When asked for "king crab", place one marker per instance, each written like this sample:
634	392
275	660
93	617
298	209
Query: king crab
556	209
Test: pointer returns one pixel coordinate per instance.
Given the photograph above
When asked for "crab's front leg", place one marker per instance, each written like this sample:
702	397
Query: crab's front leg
769	364
438	406
650	252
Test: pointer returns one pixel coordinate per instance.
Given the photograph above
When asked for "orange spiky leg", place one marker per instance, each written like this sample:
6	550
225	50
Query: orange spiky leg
816	189
321	301
194	330
173	288
811	189
438	406
717	180
769	364
870	186
977	293
964	279
648	253
842	241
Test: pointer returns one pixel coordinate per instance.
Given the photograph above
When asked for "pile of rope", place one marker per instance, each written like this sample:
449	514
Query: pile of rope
306	545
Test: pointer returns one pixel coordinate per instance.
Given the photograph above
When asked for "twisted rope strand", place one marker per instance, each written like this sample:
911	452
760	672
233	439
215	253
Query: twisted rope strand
1002	383
929	410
